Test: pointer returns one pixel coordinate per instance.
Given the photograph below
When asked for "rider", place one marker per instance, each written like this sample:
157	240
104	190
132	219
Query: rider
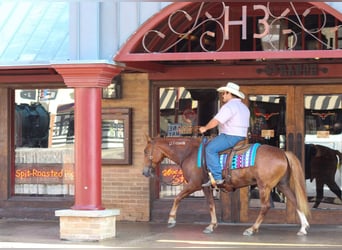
233	121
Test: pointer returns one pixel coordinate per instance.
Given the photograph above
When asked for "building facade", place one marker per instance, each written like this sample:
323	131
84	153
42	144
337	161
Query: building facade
163	80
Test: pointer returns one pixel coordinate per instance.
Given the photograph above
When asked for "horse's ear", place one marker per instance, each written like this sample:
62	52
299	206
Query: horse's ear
148	139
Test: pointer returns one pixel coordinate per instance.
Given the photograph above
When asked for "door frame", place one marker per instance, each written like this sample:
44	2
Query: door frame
288	215
319	216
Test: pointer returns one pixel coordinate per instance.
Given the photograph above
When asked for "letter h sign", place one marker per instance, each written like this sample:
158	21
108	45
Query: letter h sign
243	22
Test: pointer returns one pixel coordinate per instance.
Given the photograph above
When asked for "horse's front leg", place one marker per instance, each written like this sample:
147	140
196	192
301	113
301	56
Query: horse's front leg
173	212
211	202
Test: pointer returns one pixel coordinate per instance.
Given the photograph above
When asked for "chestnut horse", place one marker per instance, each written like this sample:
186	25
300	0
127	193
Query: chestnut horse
273	168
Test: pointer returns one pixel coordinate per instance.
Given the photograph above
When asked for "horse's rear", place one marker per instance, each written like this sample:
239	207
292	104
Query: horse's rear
270	166
274	168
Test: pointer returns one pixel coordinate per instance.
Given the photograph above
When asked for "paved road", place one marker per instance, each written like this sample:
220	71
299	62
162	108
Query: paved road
45	234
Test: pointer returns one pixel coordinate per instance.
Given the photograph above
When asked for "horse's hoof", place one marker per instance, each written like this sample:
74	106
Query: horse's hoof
207	231
301	233
248	232
171	225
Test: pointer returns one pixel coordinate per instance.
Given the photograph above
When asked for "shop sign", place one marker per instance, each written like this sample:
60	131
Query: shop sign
44	173
172	174
288	70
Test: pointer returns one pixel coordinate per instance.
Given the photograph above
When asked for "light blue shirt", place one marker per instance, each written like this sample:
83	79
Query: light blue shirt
233	118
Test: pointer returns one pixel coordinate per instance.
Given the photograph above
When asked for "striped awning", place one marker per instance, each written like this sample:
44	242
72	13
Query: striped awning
265	98
323	102
169	96
315	102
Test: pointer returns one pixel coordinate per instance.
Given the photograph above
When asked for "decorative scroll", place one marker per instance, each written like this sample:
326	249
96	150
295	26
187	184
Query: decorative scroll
223	22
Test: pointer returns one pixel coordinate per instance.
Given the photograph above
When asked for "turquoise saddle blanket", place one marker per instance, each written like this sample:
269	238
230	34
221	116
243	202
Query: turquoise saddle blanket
247	159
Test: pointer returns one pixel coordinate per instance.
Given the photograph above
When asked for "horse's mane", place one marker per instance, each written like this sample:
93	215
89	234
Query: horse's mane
177	147
193	140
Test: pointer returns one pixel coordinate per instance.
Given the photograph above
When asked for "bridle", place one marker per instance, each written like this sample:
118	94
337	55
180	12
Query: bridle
149	170
150	157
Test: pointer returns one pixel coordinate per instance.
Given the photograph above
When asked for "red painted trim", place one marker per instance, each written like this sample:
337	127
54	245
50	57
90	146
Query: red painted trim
132	42
234	55
125	54
327	8
241	71
87	75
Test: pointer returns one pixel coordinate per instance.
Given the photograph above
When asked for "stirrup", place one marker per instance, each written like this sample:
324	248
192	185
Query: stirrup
207	184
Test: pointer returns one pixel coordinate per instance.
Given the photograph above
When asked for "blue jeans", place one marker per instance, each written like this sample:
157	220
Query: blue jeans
216	145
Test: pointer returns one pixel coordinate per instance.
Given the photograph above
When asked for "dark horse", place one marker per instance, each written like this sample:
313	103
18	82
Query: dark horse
321	164
273	168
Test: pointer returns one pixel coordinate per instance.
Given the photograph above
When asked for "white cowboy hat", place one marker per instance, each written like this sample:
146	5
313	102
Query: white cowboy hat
232	88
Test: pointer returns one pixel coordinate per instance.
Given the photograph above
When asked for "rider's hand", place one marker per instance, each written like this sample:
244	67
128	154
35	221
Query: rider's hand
202	130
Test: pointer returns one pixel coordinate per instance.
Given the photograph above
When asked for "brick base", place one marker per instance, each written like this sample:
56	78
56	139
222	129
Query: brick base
87	225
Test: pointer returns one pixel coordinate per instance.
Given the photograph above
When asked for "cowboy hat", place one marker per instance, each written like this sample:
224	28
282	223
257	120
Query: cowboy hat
232	88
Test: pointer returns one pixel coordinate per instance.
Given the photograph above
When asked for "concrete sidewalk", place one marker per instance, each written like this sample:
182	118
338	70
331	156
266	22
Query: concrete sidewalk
45	234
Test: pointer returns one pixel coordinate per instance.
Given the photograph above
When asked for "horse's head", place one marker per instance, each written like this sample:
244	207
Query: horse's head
152	157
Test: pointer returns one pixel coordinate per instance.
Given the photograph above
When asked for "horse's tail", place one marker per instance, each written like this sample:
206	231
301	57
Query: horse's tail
339	159
297	182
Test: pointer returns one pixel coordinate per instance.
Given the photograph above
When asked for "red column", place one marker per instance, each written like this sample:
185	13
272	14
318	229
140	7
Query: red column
88	80
87	148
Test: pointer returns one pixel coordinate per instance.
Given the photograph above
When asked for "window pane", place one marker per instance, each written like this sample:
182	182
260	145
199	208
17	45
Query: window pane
323	147
44	142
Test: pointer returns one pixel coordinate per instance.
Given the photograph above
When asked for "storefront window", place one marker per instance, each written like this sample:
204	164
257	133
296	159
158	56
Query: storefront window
267	126
44	142
179	116
178	112
323	149
117	136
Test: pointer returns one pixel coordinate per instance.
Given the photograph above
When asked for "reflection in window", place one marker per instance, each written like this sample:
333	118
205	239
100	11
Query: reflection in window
113	139
44	143
117	136
178	112
323	113
267	123
323	149
267	126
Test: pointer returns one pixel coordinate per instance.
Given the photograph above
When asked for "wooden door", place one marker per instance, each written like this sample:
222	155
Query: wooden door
319	139
312	115
273	121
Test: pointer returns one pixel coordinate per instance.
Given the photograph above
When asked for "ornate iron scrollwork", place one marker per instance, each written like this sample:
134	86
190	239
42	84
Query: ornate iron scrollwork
222	22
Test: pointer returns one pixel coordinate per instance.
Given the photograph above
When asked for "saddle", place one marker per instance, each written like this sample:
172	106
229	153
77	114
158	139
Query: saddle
239	148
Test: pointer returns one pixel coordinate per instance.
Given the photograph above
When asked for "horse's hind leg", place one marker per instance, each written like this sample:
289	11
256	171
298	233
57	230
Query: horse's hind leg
319	192
265	206
285	189
335	189
304	223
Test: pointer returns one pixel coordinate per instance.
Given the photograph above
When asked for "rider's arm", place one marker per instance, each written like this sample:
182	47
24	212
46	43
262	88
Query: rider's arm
211	124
